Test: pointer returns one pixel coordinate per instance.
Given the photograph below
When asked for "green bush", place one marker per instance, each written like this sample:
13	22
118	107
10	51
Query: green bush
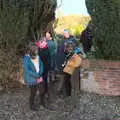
105	16
20	22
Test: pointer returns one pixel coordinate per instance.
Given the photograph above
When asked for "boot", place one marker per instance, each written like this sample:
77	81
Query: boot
50	77
45	104
60	94
32	106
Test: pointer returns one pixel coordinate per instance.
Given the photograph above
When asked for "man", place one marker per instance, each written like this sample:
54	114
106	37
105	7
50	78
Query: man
61	55
62	46
69	38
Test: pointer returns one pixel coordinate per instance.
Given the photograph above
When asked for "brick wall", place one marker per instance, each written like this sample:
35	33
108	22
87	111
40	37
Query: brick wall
100	76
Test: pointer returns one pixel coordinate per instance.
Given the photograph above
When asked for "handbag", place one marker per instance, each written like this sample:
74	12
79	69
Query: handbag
74	62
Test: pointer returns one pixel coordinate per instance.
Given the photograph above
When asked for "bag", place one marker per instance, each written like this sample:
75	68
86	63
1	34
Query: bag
72	64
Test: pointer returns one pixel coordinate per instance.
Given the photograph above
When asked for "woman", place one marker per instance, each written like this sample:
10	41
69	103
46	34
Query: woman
44	54
33	73
52	49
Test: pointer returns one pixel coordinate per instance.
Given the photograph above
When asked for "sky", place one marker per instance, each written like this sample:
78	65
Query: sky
73	7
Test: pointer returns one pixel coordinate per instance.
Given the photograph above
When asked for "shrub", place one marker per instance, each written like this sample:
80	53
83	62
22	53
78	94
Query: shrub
76	30
20	22
106	33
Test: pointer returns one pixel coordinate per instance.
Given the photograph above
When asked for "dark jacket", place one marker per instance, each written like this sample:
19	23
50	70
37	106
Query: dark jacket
30	74
61	51
45	57
51	47
86	40
70	39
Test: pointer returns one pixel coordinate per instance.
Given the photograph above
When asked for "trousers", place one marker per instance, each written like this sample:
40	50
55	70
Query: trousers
33	90
65	85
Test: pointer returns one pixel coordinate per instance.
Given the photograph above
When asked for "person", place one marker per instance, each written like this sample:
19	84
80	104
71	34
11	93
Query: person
86	38
52	49
65	86
44	54
61	48
60	57
33	73
69	38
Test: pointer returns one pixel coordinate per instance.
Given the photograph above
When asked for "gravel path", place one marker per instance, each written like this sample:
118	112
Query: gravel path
86	106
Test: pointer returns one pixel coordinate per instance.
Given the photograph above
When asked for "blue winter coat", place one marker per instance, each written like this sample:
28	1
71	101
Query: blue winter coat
30	74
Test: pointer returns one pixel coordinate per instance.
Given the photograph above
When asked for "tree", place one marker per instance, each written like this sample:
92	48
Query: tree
105	16
20	22
75	23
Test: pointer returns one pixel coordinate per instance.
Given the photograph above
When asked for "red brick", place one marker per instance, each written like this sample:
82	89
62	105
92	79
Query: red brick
107	76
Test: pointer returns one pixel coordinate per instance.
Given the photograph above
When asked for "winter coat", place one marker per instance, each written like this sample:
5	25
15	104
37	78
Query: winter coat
30	74
70	39
44	54
86	40
61	51
51	47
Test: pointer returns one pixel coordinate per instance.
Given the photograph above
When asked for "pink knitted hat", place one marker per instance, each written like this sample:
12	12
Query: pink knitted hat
42	44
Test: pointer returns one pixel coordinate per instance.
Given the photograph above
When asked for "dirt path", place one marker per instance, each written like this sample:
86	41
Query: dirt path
86	106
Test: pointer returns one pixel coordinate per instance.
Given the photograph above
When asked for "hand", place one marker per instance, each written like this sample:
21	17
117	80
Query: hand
72	58
39	80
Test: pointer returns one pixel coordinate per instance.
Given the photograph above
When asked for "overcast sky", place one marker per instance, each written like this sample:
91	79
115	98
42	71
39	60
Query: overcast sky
73	7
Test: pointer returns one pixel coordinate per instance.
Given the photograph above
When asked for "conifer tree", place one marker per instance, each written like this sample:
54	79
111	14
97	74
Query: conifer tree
21	21
105	16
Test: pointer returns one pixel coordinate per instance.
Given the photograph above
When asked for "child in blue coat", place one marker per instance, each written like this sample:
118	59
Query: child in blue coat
33	72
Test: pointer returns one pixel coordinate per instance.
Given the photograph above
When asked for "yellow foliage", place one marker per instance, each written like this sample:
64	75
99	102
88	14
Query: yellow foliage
75	23
76	30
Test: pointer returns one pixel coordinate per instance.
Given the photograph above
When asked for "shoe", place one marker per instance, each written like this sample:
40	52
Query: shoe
60	94
48	107
33	108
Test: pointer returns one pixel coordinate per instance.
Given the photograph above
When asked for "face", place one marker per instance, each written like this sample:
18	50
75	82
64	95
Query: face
70	48
33	52
66	34
36	51
48	35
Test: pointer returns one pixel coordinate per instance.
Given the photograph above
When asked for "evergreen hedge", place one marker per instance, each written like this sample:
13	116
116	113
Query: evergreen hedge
20	22
105	16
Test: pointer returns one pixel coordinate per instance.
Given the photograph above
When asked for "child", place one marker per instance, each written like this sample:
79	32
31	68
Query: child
33	72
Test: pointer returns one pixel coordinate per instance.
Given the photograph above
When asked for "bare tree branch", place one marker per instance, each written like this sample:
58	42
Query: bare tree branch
60	4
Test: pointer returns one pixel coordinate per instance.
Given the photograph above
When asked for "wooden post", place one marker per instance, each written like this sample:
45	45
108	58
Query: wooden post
75	79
